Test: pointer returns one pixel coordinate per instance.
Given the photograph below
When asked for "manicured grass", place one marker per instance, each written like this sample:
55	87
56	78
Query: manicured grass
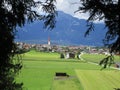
99	80
33	55
38	75
97	57
93	57
67	84
39	70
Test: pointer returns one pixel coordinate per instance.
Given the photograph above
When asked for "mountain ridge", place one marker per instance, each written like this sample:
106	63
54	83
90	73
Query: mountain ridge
68	31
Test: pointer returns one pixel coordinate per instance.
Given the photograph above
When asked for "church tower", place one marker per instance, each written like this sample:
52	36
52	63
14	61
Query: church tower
48	40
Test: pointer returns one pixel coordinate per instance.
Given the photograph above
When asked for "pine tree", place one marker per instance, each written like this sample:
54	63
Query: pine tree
15	13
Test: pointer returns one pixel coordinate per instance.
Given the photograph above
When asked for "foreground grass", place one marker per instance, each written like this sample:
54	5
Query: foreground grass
99	80
39	70
39	75
67	84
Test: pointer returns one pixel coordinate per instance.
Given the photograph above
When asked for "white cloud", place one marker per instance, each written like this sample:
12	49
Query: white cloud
69	7
81	15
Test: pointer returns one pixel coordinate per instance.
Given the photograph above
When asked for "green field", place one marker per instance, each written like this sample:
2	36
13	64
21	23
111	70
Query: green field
39	68
97	57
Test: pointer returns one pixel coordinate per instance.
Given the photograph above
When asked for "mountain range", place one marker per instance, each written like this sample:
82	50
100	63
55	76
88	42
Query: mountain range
68	31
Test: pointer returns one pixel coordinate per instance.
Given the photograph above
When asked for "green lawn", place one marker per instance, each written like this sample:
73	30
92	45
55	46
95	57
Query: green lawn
38	73
99	80
67	84
97	57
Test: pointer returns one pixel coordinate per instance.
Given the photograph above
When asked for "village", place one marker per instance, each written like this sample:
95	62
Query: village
65	51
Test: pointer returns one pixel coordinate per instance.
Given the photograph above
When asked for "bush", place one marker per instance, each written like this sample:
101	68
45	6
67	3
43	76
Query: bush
62	55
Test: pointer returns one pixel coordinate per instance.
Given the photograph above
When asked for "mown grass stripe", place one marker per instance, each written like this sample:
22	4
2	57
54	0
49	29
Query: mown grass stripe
99	80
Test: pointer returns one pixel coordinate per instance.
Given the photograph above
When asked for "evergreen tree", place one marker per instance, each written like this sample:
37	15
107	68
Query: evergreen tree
107	10
15	13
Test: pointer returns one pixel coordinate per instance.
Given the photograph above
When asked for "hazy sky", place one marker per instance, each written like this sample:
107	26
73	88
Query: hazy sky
70	6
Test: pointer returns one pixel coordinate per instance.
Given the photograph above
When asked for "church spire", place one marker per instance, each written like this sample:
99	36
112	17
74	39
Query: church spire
48	40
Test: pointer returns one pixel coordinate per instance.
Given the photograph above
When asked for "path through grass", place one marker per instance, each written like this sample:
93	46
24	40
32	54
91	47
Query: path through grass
39	70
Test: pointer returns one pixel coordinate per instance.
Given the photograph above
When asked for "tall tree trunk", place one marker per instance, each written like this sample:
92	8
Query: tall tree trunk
8	67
